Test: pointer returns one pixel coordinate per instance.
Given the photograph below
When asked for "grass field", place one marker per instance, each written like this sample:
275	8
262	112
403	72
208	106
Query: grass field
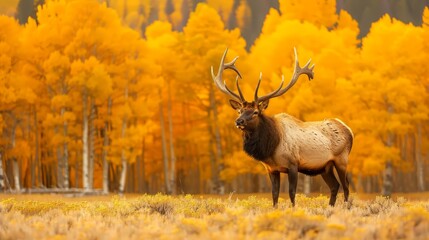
211	217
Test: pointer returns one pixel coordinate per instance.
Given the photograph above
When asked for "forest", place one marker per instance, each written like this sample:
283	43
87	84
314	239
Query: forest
117	96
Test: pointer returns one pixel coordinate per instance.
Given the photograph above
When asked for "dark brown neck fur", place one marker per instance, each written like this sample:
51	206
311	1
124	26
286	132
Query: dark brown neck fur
261	142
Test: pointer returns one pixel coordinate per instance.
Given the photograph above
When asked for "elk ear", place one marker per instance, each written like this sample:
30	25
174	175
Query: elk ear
263	105
234	104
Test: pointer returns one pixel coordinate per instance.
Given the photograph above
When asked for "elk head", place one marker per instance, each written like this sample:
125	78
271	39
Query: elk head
250	112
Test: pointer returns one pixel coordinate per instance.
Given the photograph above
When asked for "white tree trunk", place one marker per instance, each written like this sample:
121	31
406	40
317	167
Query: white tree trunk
91	139
387	179
307	185
15	163
419	162
37	163
60	159
76	170
219	183
388	172
16	174
2	185
123	177
85	151
141	173
164	149
65	169
105	144
214	177
172	153
31	159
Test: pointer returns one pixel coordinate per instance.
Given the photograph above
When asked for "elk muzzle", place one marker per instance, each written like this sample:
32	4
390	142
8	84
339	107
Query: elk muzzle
240	123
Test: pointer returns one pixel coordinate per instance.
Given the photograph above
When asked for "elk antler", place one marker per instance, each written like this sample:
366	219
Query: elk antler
297	72
218	78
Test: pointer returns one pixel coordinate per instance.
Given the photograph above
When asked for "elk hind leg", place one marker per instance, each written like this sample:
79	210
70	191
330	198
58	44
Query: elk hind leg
330	179
342	174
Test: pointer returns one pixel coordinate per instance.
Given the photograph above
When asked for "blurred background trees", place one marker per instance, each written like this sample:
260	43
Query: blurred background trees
117	95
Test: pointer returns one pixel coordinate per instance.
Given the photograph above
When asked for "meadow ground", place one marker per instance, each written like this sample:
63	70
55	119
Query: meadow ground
212	217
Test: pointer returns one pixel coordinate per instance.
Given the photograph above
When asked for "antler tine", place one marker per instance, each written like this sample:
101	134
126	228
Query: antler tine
270	95
238	87
231	92
257	87
218	78
297	72
231	65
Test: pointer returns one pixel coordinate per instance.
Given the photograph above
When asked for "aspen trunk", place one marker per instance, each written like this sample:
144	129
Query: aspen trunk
76	172
65	168
112	177
123	177
131	177
60	159
16	174
214	179
388	179
219	183
137	178
37	163
200	168
172	153
307	185
105	144
141	176
29	171
85	152
15	165
164	148
419	161
388	172
2	185
105	162
91	143
52	176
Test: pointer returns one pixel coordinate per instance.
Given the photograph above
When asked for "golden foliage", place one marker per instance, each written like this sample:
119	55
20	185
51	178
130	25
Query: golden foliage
319	12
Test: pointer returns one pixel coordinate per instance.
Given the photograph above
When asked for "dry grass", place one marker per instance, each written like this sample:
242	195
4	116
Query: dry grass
208	217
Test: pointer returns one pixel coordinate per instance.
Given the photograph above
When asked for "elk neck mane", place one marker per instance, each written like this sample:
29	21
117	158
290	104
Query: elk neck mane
262	142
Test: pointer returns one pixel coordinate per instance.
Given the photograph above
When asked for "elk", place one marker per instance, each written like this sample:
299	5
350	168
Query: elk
285	144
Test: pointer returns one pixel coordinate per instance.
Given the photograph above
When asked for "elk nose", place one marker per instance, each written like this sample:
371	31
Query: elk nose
239	122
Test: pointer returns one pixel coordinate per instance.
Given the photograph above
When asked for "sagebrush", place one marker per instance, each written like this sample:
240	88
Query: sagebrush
194	217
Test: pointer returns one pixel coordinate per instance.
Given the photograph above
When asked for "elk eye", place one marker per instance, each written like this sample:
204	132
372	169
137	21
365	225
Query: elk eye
255	113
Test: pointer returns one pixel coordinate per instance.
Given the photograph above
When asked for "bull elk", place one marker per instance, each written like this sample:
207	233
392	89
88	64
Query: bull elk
283	143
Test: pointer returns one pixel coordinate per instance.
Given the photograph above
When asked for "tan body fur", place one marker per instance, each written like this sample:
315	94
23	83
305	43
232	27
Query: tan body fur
310	145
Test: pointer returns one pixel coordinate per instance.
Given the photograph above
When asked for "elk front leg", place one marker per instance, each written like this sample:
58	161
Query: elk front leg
293	182
275	185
